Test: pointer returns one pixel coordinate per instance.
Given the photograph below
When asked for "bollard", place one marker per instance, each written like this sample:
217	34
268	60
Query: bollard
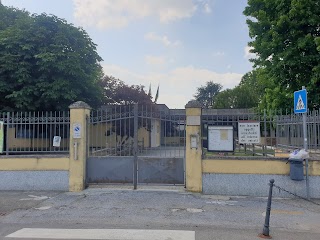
265	232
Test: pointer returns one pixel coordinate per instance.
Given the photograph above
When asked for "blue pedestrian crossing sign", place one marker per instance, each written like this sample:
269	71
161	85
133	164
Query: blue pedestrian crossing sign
300	101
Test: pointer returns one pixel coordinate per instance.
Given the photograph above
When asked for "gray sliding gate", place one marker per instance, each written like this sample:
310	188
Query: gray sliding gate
136	144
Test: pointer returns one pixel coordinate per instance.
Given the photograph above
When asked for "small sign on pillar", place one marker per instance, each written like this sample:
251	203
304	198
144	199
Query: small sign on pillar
76	130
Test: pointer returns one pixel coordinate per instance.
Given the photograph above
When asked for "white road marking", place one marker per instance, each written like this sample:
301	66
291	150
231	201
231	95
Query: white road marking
223	203
35	198
190	210
43	208
106	234
195	210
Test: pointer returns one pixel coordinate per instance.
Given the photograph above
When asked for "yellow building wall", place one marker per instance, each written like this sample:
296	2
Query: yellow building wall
173	141
98	138
255	166
34	163
32	143
143	137
17	143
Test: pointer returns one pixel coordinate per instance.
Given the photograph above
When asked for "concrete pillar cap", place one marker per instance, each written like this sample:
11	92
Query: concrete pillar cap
193	104
79	105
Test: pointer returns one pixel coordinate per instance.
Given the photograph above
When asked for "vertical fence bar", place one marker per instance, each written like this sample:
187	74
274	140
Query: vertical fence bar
7	135
265	132
135	161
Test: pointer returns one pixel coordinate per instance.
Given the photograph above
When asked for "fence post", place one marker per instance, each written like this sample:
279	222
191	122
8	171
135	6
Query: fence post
7	133
265	133
265	232
135	147
79	112
193	147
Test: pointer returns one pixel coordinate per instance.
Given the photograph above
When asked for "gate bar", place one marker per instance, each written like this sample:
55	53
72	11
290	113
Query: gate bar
135	148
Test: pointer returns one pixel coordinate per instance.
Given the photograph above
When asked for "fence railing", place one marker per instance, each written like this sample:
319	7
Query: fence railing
231	117
280	131
159	132
34	132
290	131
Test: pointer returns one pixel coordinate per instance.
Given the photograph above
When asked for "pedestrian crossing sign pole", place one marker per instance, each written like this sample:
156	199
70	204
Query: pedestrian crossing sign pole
301	106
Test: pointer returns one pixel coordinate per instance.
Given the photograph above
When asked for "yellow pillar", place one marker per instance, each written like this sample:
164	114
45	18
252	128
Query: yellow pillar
79	112
193	147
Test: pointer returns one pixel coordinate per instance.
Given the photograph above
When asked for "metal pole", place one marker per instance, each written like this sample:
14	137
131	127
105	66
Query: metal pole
265	133
305	146
7	134
265	232
135	147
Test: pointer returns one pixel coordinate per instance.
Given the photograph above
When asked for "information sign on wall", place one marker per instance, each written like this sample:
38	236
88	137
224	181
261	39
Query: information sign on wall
76	130
249	132
220	139
56	141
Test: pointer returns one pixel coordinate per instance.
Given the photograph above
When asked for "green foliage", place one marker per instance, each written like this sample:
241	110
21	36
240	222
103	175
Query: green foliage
46	63
241	96
117	92
285	37
247	94
206	94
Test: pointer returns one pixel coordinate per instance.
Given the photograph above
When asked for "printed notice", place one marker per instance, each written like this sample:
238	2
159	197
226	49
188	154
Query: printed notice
56	141
224	134
249	132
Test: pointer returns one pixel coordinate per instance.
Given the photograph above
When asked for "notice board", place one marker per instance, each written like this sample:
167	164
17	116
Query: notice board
249	132
220	139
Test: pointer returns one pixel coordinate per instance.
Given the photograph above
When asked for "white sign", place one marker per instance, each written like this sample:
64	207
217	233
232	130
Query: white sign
194	141
193	120
220	138
76	130
56	141
249	132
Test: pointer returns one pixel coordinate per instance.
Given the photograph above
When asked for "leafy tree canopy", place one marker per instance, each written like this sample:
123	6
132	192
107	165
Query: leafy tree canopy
241	96
206	94
46	63
117	92
285	38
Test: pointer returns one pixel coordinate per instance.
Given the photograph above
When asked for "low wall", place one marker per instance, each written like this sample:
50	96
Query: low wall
34	173
249	176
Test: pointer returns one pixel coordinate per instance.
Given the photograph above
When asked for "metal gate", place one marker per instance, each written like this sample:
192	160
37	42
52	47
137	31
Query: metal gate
136	144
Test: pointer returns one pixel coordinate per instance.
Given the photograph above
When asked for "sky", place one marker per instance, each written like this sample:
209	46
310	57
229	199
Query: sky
178	45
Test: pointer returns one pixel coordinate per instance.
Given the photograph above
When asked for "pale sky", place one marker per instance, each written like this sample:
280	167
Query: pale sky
178	44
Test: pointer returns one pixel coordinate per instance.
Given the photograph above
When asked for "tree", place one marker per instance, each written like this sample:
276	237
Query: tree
46	63
285	34
117	92
206	94
240	97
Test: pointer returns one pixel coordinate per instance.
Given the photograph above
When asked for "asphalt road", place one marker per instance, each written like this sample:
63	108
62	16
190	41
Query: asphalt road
121	210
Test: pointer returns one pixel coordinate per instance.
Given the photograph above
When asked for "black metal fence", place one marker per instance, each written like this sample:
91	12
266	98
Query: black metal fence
232	117
290	131
160	131
34	132
281	131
